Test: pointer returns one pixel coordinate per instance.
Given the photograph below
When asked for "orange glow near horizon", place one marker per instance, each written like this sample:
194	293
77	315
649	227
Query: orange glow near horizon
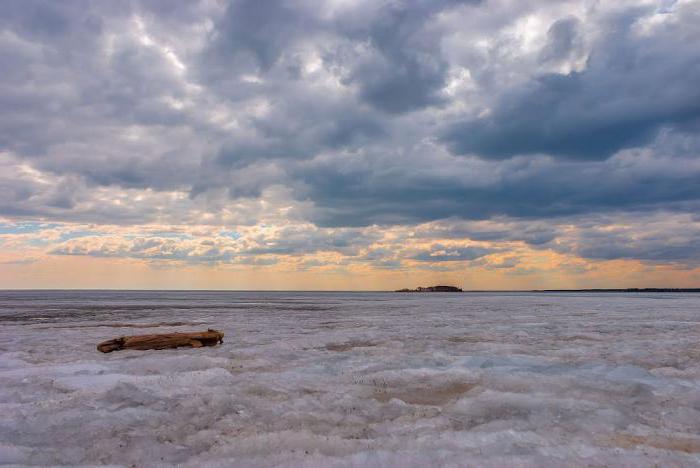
536	269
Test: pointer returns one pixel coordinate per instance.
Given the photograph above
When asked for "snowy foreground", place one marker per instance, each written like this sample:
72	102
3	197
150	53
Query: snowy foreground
310	379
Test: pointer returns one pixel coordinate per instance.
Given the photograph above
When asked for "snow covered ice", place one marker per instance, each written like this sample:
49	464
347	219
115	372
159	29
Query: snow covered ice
352	379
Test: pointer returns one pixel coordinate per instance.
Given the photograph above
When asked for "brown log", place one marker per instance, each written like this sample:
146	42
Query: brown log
163	341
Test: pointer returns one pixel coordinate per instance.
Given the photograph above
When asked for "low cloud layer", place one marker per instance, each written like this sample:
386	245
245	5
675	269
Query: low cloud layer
473	128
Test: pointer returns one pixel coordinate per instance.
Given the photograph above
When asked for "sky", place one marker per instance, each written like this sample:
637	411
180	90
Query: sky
349	144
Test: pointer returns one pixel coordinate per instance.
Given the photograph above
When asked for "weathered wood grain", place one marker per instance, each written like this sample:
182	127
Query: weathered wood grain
163	341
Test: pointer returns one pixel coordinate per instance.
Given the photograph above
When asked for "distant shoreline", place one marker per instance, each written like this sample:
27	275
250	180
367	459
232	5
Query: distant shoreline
594	290
453	289
642	290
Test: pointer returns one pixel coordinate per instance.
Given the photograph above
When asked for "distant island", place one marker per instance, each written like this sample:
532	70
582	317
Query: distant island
432	289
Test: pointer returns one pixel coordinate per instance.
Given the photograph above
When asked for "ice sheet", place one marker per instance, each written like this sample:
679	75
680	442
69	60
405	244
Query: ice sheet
313	379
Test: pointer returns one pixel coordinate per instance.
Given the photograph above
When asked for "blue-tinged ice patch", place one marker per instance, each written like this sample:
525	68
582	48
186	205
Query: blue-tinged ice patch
509	362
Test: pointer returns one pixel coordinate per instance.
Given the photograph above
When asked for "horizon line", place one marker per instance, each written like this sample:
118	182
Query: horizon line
632	289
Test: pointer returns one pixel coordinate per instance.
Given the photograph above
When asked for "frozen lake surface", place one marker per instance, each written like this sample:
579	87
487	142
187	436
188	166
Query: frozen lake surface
352	379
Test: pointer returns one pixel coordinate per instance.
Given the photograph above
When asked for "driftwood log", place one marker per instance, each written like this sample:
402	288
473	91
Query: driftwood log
163	341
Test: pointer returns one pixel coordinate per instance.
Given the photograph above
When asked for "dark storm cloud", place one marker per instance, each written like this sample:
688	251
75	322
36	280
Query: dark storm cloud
404	69
609	247
387	49
631	87
563	40
76	79
363	195
533	233
441	253
649	238
652	238
257	33
300	240
368	112
289	133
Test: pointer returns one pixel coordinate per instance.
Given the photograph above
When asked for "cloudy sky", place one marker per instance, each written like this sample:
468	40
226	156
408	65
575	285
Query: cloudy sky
349	144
